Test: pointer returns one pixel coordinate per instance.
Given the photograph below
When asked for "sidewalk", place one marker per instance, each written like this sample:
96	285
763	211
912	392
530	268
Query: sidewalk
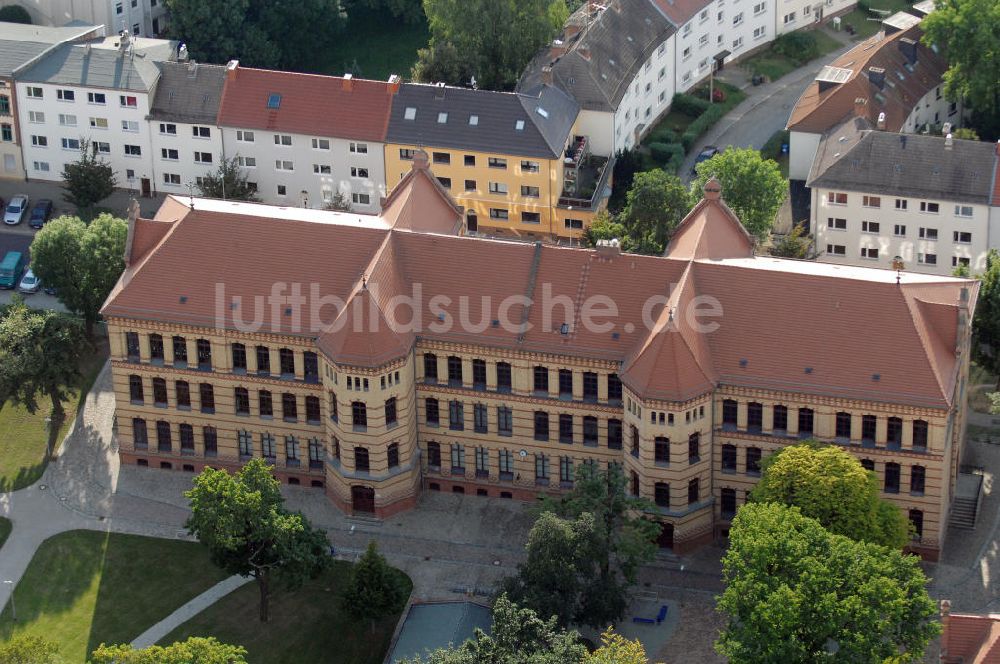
181	615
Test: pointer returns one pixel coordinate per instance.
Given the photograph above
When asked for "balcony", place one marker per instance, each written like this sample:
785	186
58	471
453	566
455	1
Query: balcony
585	179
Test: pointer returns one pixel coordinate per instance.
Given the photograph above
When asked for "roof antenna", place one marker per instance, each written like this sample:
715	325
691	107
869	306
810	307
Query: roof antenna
897	265
190	195
364	281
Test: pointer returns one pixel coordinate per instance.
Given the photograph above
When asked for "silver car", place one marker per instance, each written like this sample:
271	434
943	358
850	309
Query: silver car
29	282
16	208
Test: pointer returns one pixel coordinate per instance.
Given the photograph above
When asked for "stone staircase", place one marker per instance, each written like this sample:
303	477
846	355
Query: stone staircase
963	513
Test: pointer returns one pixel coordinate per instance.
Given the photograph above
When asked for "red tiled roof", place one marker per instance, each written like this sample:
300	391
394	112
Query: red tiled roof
310	104
680	12
970	639
773	311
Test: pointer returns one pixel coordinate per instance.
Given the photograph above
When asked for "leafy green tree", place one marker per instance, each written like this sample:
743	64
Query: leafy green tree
654	206
340	202
374	591
196	650
282	34
82	262
793	245
26	649
830	485
497	37
410	11
40	353
441	62
986	320
627	164
518	636
88	180
796	593
966	32
228	181
603	227
994	398
622	540
616	649
15	14
752	186
242	520
966	133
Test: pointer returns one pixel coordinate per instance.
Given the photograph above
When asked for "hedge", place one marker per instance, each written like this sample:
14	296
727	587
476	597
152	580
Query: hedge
700	125
670	156
689	105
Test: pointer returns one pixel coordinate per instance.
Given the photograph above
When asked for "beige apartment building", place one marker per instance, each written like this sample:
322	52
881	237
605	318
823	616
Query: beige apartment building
503	395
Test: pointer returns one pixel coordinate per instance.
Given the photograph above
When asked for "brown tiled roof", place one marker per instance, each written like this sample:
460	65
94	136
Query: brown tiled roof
680	12
817	111
421	203
971	639
790	325
309	104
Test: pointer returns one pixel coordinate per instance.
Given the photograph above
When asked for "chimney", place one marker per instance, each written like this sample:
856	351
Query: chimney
420	161
881	121
546	75
439	90
945	632
557	50
617	6
712	190
348	82
570	31
909	49
608	249
877	76
584	52
949	142
231	68
394	83
860	107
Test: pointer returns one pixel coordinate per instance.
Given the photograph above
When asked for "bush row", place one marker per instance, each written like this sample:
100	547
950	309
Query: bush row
689	104
670	156
701	124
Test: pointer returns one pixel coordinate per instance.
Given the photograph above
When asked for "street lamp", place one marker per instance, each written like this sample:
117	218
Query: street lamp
13	608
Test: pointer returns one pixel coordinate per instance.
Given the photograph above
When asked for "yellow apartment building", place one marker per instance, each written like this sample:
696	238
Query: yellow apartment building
497	380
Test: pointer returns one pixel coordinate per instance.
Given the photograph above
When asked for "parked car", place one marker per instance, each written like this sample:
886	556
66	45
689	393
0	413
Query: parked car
40	213
706	154
29	282
11	268
15	210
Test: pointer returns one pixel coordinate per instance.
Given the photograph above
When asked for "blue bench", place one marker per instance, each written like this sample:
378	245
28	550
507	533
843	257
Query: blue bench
662	614
648	621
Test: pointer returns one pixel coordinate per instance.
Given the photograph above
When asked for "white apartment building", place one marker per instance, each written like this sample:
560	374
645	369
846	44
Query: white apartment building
143	18
792	15
183	125
95	93
302	138
925	199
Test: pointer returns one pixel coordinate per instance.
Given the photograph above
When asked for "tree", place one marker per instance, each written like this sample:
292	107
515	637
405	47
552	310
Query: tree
518	636
603	227
26	649
655	204
90	179
966	31
196	650
752	186
830	485
616	649
986	321
40	353
410	11
627	164
497	37
340	202
15	14
994	398
282	34
794	245
796	593
229	182
82	262
242	521
966	133
373	591
441	62
621	541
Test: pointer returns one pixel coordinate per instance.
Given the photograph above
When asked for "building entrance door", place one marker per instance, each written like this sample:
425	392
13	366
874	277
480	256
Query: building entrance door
666	538
145	188
363	499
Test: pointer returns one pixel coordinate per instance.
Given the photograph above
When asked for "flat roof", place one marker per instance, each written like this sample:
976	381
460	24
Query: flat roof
432	626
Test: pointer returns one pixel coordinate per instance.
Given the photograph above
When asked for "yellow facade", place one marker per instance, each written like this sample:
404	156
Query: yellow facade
503	195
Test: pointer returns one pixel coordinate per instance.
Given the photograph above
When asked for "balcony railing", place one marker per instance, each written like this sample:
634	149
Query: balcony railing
588	185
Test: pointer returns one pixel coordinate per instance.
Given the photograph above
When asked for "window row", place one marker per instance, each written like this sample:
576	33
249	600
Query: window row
458	457
661	492
359	413
664	418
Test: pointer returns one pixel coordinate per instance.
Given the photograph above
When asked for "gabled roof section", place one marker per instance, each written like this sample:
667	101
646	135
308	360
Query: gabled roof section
530	125
970	639
908	68
420	203
904	164
329	106
710	230
103	63
599	52
188	92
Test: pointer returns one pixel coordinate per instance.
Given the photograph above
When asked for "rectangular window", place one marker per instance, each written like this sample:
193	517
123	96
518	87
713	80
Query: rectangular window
456	416
870	253
962	237
870	227
927	259
566	429
317	143
361	199
480	418
836	250
505	425
34	93
244	136
503	377
203	157
40	141
498	188
753	461
283	165
929	208
96	98
530	192
135	389
899	230
780	419
541	425
963	210
836	198
71	144
283	139
497	162
66	120
499	213
872	201
891	477
390	412
531	218
614	434
901	204
37	117
694	448
128	101
541	468
836	224
133	151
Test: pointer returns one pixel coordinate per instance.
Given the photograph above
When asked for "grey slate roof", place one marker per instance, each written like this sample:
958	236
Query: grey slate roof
904	165
547	115
98	64
20	43
604	51
188	92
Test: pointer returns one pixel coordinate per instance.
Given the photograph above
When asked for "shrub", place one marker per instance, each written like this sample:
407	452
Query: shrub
772	149
668	156
798	46
664	135
689	105
688	138
15	14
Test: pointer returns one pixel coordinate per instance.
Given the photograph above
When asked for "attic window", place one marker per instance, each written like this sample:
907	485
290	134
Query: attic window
442	118
876	376
542	112
743	362
519	125
274	101
410	113
473	120
809	370
564	329
183	299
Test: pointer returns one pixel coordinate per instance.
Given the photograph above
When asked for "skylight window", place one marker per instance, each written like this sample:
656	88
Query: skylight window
442	118
410	113
542	112
519	125
473	120
274	100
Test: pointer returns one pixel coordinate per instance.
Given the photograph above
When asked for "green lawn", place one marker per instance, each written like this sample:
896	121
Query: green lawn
774	65
307	626
5	526
83	588
374	45
858	17
24	436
